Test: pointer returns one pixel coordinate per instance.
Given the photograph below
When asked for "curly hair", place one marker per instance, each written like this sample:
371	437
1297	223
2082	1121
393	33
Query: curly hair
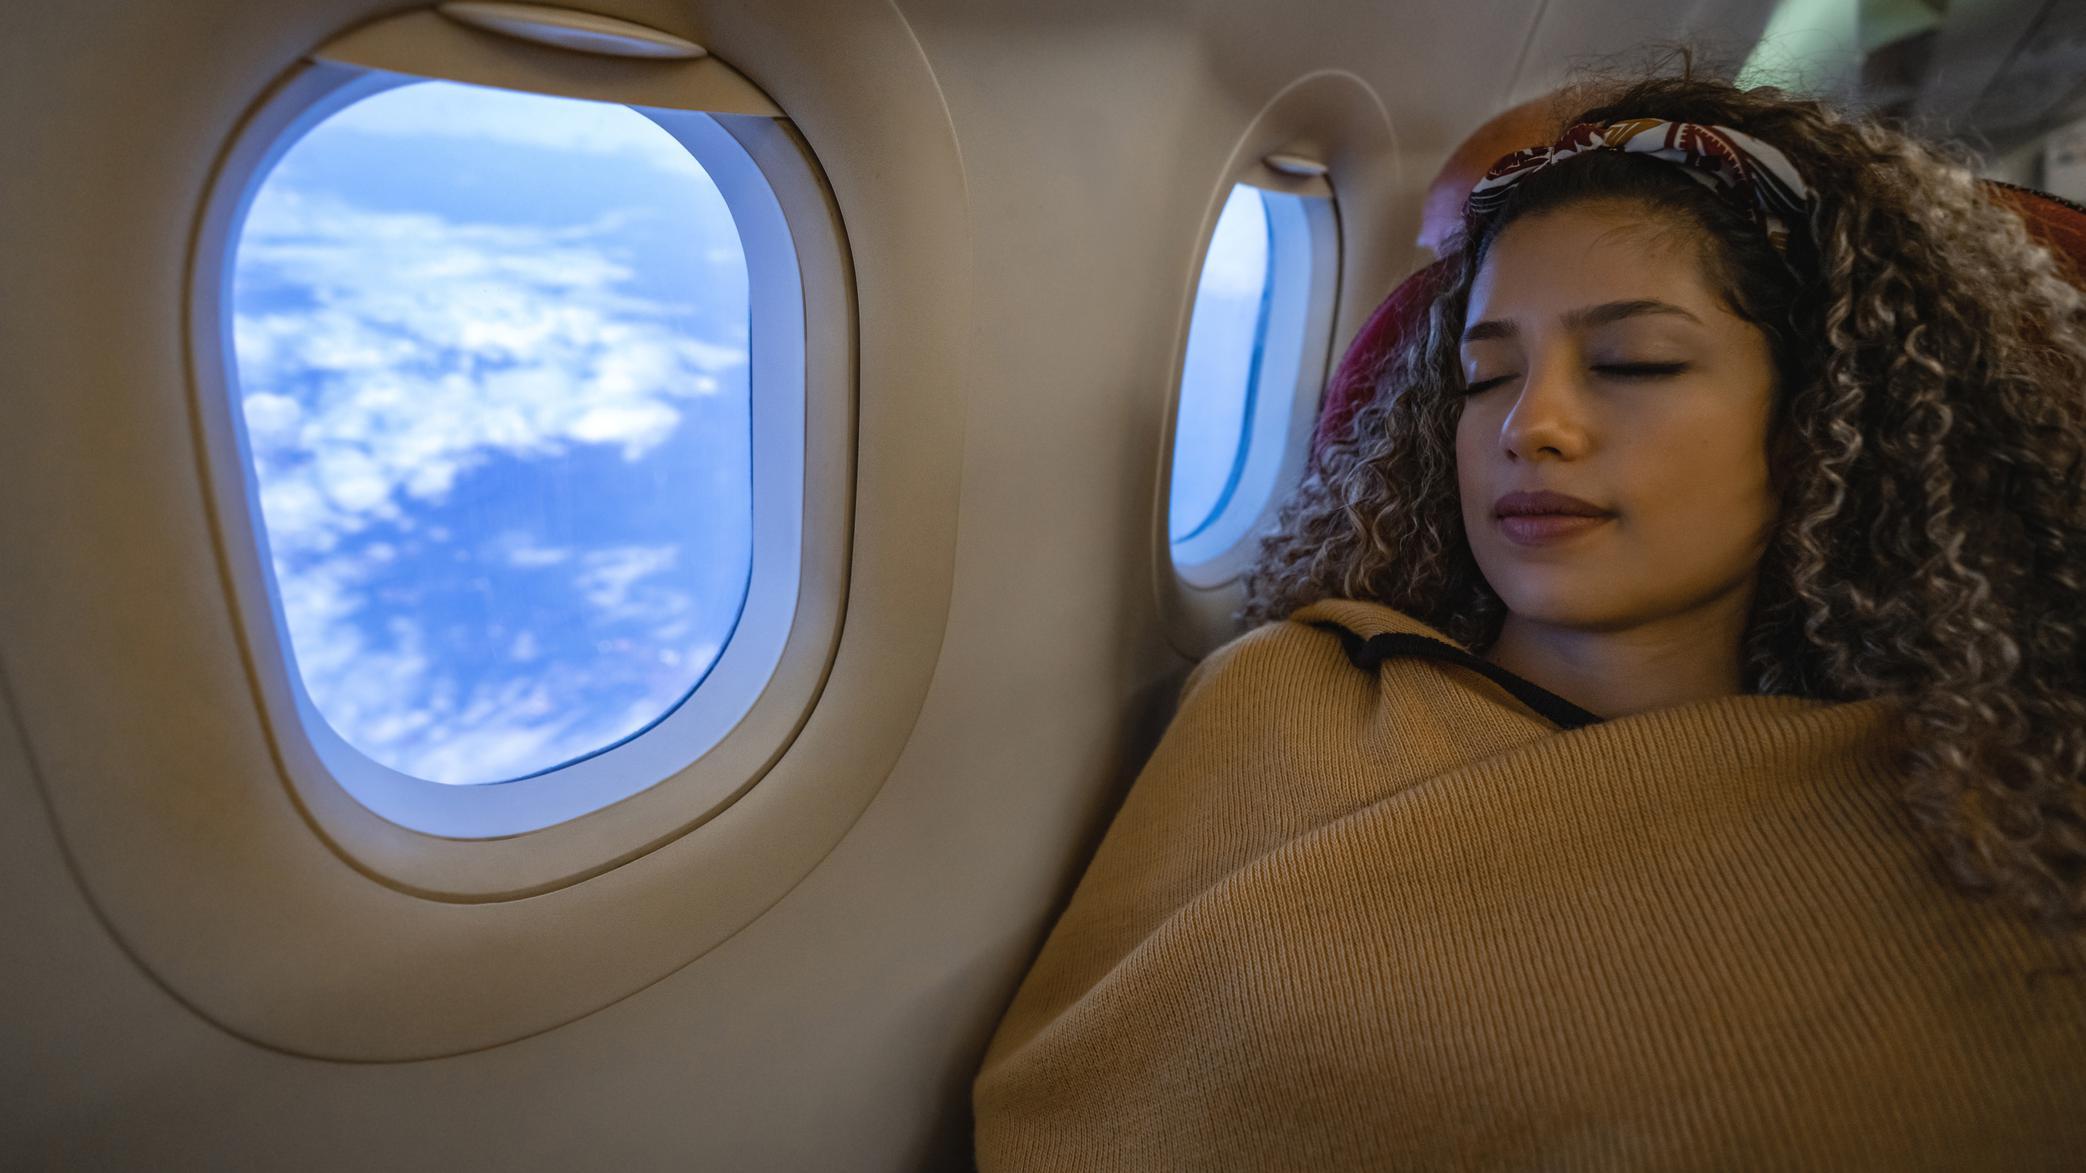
1927	449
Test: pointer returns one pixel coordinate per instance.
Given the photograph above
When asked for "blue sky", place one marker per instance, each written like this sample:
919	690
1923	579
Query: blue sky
491	353
1222	341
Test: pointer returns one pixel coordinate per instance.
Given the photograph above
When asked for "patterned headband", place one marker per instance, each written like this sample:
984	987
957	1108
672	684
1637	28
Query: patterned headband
1733	165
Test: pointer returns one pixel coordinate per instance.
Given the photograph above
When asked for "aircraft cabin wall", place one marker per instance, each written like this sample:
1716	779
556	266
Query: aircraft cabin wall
789	952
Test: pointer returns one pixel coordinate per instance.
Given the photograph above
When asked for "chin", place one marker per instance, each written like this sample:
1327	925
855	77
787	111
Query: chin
1561	601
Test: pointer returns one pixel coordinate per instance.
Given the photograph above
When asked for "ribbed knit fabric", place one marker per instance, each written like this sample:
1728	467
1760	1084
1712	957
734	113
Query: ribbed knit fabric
1395	919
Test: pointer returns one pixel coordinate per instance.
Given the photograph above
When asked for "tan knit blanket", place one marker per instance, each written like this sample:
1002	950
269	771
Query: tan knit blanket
1396	919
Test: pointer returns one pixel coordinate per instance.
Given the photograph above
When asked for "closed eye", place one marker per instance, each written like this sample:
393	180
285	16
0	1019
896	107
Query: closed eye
1640	370
1625	370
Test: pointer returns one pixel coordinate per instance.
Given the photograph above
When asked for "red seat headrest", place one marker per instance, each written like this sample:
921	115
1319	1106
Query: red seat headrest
1354	381
2058	224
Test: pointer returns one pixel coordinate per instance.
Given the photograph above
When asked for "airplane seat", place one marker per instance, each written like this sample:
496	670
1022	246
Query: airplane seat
2058	223
1354	380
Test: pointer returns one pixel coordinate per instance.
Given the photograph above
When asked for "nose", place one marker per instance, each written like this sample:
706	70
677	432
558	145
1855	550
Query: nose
1548	416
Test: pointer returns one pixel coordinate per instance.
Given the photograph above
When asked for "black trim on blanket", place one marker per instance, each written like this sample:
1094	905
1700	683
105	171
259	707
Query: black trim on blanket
1368	654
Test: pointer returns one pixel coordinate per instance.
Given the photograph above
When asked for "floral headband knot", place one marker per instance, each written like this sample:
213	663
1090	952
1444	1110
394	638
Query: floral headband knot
1755	177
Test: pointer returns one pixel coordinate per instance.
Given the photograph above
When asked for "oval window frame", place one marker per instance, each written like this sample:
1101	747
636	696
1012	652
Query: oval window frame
471	843
1334	122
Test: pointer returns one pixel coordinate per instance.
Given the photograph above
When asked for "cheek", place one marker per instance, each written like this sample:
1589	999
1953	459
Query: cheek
1468	462
1703	489
1470	438
1722	465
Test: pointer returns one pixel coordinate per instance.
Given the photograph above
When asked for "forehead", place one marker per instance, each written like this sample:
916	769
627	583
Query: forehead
1551	262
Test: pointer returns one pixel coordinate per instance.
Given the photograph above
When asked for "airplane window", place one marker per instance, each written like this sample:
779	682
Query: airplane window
492	356
1258	340
1217	379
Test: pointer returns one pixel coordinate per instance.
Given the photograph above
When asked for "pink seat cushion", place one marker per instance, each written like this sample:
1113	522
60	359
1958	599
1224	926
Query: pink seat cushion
2059	224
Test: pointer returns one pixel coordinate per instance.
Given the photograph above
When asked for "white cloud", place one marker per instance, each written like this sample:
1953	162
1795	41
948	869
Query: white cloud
611	573
271	420
635	425
406	705
500	732
403	704
475	113
522	553
429	345
352	480
614	582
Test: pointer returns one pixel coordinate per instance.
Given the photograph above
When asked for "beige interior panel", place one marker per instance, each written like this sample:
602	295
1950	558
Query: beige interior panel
156	763
1003	668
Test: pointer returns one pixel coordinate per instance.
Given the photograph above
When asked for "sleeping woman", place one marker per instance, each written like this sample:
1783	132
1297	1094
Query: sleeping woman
1663	742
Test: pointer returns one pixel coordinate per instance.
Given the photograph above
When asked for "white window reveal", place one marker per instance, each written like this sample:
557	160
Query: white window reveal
1255	355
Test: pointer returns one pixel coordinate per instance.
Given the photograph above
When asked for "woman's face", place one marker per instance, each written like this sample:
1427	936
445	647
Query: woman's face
1599	363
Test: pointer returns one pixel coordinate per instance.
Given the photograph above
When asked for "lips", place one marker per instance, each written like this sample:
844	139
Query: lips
1546	503
1543	529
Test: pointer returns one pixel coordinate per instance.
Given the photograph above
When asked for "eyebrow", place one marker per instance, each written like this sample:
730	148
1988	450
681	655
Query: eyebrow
1582	318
